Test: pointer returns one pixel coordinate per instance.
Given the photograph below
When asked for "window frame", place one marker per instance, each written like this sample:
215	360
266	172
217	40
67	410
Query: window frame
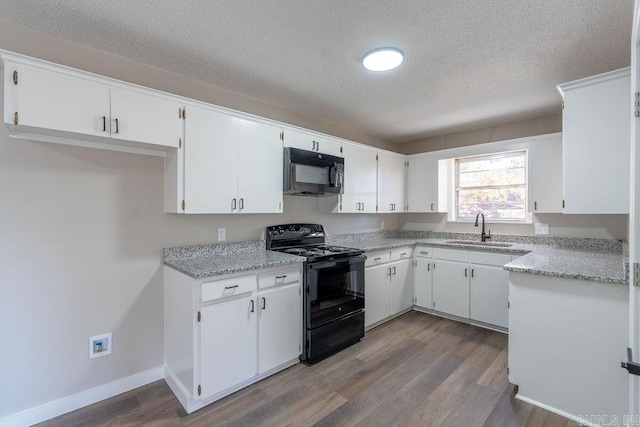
494	155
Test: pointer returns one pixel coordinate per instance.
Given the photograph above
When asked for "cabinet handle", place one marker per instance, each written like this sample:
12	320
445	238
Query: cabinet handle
428	266
264	303
472	272
317	145
431	206
394	271
104	123
253	308
465	272
535	206
434	265
117	129
313	146
389	271
241	203
233	204
377	259
231	287
403	254
424	253
281	277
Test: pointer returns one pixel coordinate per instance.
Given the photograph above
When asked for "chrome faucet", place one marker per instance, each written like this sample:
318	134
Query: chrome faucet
483	236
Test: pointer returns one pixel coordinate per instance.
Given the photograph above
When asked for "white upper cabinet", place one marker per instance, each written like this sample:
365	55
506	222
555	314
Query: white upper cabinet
223	165
360	182
142	117
545	175
260	167
210	162
596	124
311	142
422	184
53	103
391	182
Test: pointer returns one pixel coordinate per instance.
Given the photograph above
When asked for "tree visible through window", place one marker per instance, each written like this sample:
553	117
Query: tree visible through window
495	185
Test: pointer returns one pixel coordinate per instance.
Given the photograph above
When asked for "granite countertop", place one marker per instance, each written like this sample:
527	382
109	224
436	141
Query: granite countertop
599	260
202	261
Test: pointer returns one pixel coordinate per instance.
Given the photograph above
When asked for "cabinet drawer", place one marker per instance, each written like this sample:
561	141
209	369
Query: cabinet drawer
489	258
451	254
422	252
378	257
401	253
278	277
228	287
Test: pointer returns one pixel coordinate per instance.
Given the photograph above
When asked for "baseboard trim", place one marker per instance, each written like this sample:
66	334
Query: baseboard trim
555	410
76	401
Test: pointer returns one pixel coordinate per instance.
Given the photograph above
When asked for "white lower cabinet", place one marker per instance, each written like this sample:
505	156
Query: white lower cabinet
451	287
229	326
423	277
467	284
280	326
224	334
388	284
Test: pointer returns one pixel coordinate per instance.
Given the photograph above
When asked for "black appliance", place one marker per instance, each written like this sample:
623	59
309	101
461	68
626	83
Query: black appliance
333	288
308	173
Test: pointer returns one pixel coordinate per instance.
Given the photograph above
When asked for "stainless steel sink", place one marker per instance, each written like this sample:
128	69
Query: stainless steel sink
476	243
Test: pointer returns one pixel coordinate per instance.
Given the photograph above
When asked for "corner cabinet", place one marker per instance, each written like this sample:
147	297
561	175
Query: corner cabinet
596	126
225	164
225	333
53	103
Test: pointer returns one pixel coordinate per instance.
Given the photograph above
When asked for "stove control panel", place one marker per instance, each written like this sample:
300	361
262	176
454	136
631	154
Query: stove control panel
294	231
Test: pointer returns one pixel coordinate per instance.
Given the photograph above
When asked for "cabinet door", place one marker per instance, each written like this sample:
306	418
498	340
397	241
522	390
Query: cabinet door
391	186
211	161
228	344
52	100
311	142
545	176
489	295
144	117
596	134
377	294
451	287
423	282
260	168
360	180
280	326
422	184
401	285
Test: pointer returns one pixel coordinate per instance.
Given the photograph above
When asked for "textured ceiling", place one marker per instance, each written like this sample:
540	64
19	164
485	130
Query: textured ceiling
469	63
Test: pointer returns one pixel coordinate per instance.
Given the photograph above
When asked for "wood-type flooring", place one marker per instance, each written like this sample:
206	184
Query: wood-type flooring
416	370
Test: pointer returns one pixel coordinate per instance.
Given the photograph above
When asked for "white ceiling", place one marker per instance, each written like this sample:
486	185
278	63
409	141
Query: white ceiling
469	63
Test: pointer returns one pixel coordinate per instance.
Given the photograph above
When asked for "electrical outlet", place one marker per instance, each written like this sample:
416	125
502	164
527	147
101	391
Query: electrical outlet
100	345
381	225
542	228
222	234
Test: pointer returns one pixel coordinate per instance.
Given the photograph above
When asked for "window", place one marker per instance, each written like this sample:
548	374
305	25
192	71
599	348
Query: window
495	185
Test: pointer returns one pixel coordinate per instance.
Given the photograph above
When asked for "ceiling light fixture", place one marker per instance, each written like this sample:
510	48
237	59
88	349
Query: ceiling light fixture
383	59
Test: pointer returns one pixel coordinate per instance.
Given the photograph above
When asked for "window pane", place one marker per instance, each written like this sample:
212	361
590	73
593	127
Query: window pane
495	185
494	177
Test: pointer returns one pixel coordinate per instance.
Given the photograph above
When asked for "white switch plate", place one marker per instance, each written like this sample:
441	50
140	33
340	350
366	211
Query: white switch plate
381	225
542	228
222	234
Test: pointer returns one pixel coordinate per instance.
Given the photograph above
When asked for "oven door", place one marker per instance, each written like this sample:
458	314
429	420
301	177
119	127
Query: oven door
335	289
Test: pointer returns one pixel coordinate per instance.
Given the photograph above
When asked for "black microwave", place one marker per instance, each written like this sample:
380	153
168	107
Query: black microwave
308	173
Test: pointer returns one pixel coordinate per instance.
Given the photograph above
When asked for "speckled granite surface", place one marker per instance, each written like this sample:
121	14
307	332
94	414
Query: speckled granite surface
599	260
201	261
